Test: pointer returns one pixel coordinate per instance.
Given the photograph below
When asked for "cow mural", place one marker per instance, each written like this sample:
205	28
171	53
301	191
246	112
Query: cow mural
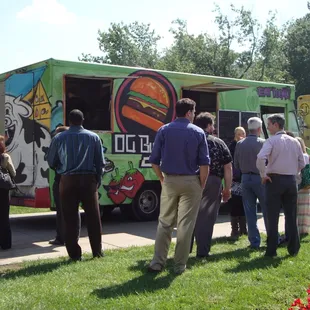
26	130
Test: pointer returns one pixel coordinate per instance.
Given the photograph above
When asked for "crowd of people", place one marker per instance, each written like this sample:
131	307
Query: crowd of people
250	169
197	171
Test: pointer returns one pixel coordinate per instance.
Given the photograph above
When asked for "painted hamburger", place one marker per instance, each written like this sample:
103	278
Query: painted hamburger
147	104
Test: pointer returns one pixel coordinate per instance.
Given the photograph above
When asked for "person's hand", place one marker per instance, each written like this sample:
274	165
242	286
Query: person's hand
226	194
161	180
266	179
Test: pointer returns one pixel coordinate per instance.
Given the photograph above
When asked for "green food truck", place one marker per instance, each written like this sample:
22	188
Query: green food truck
125	106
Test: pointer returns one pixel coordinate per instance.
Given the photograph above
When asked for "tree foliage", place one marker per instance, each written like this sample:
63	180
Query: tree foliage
131	45
297	51
242	48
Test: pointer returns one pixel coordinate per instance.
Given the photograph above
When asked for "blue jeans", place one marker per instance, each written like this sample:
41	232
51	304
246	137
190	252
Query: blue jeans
253	189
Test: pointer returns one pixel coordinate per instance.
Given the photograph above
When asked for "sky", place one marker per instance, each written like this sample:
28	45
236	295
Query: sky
35	30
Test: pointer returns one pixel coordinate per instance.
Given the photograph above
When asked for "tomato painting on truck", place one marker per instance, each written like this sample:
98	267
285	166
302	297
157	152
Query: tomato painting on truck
125	106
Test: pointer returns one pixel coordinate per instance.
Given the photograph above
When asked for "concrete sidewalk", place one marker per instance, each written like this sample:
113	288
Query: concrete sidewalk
31	233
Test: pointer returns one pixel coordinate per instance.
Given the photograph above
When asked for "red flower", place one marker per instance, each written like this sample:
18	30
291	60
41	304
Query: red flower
297	302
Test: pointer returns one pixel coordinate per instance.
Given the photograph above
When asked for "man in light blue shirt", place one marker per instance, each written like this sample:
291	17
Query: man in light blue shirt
77	155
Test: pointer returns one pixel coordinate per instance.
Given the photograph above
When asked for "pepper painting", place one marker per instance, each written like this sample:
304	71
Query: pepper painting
124	185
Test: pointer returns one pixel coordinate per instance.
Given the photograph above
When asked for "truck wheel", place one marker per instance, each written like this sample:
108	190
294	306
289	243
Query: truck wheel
146	204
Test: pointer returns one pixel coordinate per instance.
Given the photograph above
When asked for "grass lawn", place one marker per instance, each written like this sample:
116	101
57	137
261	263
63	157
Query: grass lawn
234	278
22	210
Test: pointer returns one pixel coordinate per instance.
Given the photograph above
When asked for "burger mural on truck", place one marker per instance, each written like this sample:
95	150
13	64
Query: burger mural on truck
145	104
142	105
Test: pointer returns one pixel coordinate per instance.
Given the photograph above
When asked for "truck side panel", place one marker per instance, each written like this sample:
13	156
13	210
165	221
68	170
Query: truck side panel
27	128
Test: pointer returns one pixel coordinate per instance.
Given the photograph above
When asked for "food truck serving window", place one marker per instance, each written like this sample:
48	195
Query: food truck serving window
91	95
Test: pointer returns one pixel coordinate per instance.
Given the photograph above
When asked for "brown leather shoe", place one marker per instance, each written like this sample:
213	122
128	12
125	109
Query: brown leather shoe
157	269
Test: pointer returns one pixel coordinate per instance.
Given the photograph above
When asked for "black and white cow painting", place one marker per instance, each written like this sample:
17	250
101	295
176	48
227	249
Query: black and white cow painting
27	142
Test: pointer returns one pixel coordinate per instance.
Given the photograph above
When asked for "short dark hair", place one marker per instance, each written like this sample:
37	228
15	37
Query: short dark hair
277	119
183	106
204	119
76	117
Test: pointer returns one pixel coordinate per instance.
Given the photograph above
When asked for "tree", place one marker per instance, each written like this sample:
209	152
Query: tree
130	45
270	62
297	51
205	54
242	48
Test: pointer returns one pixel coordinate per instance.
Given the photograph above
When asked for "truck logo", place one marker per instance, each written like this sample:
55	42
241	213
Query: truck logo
144	104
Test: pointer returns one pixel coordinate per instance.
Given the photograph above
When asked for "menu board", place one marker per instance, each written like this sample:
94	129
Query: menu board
228	121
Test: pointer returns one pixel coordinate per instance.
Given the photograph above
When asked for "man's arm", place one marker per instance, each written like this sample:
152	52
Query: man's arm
203	175
227	182
52	154
155	157
262	157
99	160
236	157
203	160
158	172
301	160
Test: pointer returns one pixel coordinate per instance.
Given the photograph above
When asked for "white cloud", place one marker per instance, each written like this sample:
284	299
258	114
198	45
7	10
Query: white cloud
47	11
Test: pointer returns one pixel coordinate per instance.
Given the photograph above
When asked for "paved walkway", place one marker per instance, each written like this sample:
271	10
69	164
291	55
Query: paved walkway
32	232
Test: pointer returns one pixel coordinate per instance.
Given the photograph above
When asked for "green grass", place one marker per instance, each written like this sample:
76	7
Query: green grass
24	210
234	278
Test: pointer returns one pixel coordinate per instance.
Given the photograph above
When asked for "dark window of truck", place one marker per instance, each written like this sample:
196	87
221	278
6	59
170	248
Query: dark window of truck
93	97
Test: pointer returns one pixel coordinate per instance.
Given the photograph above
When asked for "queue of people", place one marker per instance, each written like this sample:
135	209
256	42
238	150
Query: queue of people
197	171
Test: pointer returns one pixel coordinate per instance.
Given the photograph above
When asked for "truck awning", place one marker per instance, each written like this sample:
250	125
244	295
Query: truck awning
214	87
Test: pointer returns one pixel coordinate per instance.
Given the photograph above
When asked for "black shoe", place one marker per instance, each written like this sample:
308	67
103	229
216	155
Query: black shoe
74	260
252	247
203	256
98	255
56	242
4	248
233	237
282	240
271	255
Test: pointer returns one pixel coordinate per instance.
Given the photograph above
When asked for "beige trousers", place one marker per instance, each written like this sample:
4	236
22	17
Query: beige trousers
179	205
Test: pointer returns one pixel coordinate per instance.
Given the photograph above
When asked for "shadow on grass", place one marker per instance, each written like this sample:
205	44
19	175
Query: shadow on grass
39	269
258	263
145	283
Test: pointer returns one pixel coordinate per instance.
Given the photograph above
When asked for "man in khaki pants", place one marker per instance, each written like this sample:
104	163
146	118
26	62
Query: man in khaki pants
180	159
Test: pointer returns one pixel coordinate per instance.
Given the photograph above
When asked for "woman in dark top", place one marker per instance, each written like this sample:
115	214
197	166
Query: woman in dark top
5	228
237	216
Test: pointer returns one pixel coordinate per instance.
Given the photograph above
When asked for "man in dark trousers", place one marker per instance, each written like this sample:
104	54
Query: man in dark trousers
220	167
285	160
180	159
60	238
77	155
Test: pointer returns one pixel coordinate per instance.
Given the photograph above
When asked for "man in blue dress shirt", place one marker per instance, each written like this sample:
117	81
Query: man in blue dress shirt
180	159
77	155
